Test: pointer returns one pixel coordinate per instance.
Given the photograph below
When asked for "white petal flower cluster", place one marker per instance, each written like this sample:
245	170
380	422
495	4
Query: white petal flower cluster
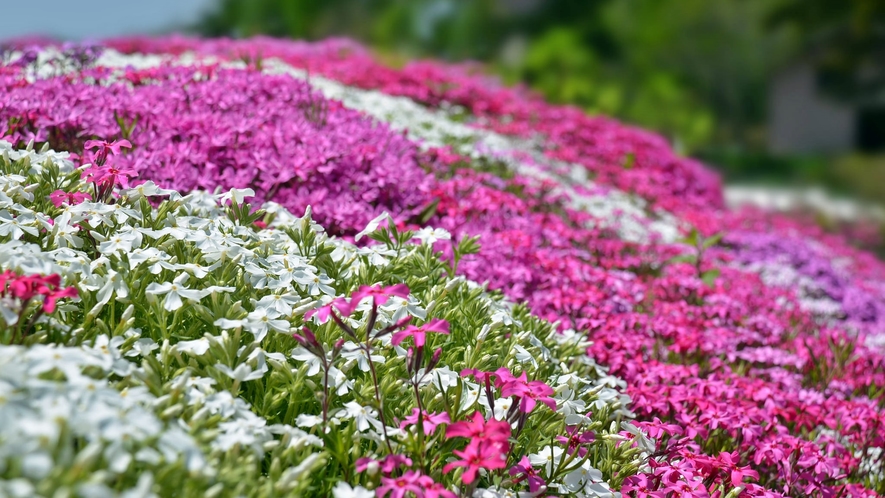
196	361
56	416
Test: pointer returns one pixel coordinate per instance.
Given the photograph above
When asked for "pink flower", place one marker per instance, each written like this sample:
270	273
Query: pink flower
576	440
392	462
27	287
529	393
324	312
436	490
108	176
479	428
51	297
386	465
429	420
362	464
479	454
419	333
479	375
60	197
105	147
397	487
346	308
379	294
524	471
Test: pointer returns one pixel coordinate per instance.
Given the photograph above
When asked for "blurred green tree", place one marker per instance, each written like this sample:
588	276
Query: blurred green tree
694	70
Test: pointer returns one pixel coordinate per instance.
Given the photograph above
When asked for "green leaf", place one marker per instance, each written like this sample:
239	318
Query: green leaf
629	161
709	277
428	212
713	240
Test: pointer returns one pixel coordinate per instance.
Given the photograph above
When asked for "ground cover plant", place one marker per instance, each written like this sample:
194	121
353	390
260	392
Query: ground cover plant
486	295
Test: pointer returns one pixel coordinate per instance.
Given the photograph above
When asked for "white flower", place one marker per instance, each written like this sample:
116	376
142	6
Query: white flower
430	236
305	420
523	356
343	490
374	224
579	478
243	372
548	458
196	347
112	283
248	430
260	321
645	443
174	291
297	438
567	401
107	350
238	195
600	490
399	308
65	232
121	242
15	227
363	416
142	347
148	189
352	351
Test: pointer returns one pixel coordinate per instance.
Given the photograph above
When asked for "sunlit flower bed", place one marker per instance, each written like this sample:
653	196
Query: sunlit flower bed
486	295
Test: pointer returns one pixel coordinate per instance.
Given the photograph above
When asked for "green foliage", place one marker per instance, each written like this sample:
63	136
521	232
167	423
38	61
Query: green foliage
694	70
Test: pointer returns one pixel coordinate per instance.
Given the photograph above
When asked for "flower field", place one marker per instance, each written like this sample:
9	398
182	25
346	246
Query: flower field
273	268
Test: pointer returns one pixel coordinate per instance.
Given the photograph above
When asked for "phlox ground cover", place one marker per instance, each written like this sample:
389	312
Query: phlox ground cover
486	296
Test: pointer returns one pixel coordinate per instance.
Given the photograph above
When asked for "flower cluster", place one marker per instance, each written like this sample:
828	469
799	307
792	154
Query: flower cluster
248	339
754	361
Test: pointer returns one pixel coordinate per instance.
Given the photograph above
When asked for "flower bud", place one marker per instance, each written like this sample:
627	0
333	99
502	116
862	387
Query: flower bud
434	360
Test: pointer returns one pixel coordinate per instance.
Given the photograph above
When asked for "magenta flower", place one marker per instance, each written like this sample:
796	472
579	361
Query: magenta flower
379	293
397	487
479	375
419	333
524	471
51	297
109	177
346	308
60	197
436	490
576	440
528	393
362	464
105	147
429	421
386	465
479	454
27	287
324	312
478	428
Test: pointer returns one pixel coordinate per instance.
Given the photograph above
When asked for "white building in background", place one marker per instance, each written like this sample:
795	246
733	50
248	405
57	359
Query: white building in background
802	119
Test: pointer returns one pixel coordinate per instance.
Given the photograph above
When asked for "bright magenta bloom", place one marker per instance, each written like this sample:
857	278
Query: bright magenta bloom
108	176
105	147
478	428
379	294
529	393
386	465
60	197
576	440
27	287
524	471
419	333
397	487
479	454
429	421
